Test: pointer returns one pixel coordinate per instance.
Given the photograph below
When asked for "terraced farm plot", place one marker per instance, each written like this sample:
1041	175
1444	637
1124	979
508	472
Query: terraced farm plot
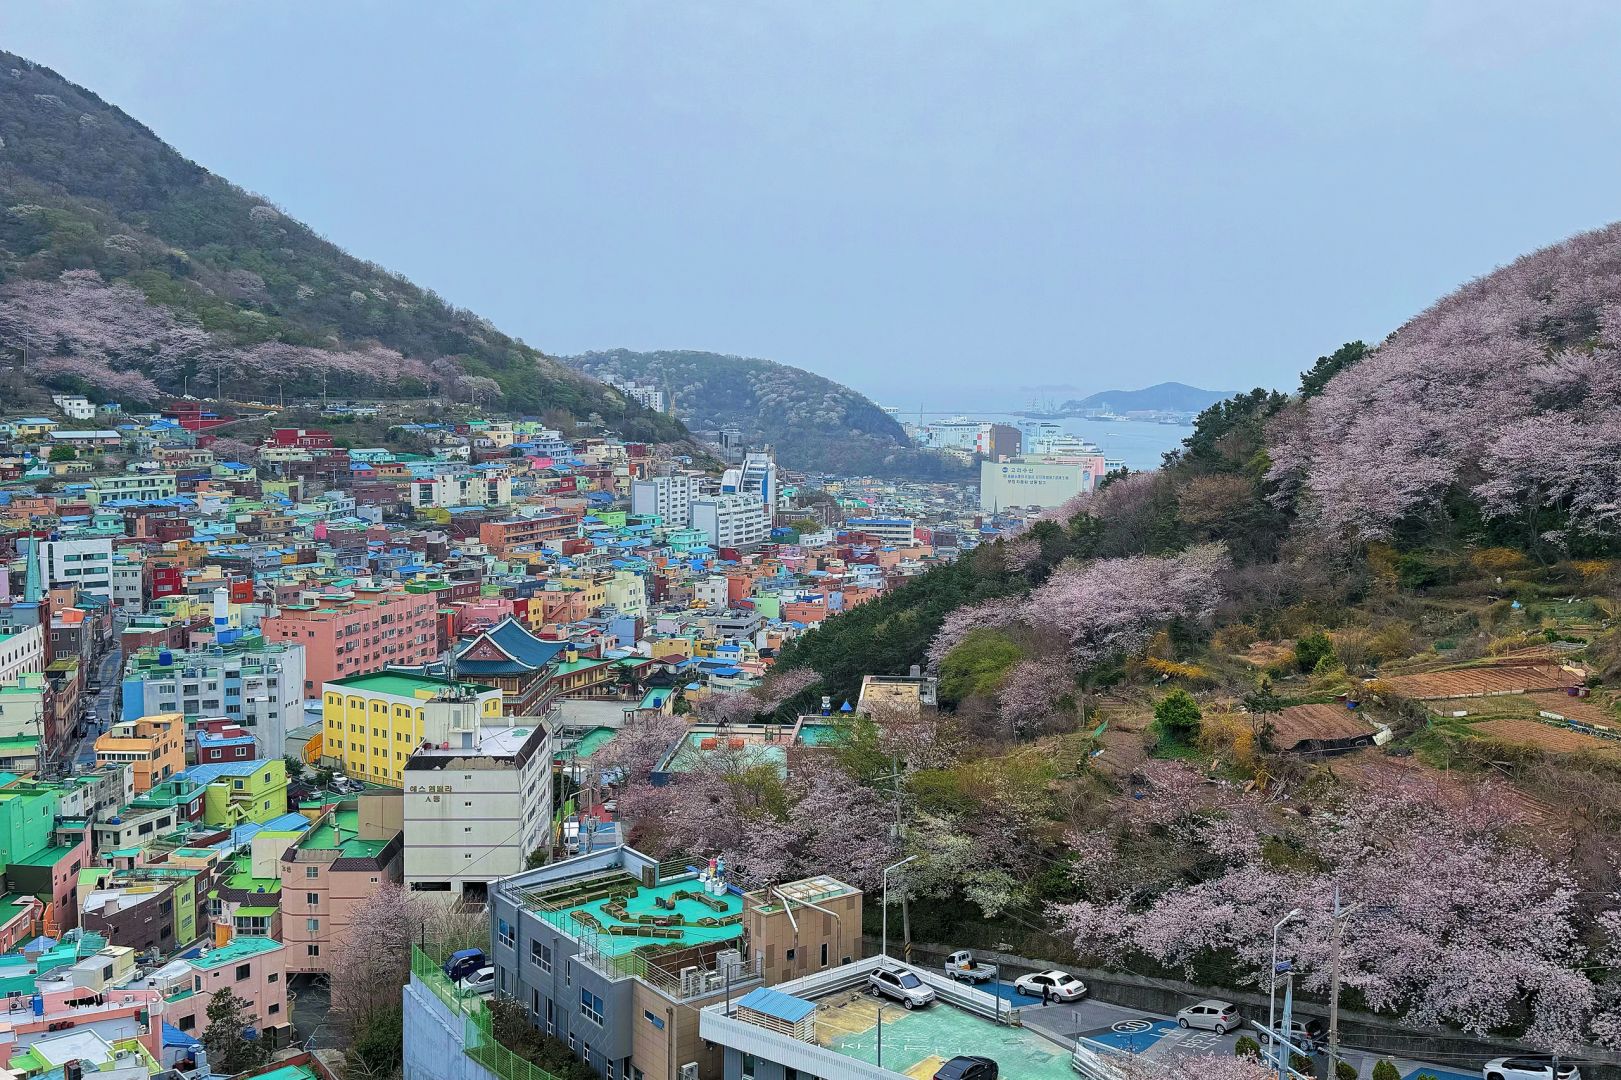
1482	681
1551	737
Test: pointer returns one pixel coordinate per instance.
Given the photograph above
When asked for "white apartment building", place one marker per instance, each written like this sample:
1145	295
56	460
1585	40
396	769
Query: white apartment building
732	521
260	685
22	651
76	406
129	585
474	487
711	592
83	564
476	811
670	497
897	531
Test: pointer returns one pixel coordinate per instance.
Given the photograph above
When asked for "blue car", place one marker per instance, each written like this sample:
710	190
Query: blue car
463	963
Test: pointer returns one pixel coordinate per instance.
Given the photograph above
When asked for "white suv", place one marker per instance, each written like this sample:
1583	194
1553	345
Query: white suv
902	986
1528	1067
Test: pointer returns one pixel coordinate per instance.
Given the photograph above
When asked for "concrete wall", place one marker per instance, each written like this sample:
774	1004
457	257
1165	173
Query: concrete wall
433	1040
1357	1029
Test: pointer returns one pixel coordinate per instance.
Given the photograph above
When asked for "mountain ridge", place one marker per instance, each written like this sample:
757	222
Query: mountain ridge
814	423
1161	397
110	238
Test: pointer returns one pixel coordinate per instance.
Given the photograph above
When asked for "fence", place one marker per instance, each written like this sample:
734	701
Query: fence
480	1043
478	1030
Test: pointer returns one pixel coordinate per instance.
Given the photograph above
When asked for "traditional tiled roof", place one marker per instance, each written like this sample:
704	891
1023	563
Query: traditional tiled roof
507	648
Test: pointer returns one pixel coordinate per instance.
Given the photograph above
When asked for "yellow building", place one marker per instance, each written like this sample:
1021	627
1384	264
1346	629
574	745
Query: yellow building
372	723
241	791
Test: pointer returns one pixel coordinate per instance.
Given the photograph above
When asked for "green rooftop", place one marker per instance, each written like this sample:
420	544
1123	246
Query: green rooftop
48	857
340	831
241	877
238	950
402	683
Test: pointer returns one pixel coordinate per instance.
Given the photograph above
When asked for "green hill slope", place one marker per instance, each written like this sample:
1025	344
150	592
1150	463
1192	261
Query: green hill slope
813	422
175	273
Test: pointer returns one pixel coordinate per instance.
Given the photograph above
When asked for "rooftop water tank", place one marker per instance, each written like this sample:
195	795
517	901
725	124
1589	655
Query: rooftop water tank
165	657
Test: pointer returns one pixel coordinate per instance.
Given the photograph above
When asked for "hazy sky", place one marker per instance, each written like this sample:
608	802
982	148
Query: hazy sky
933	202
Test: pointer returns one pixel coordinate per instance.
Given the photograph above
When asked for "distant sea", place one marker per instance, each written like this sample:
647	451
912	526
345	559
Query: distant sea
1139	445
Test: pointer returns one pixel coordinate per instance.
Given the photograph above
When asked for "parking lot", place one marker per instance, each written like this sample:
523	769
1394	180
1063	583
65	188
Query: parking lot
1159	1037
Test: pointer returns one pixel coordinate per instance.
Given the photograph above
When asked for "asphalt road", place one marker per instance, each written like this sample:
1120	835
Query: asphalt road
108	671
312	1000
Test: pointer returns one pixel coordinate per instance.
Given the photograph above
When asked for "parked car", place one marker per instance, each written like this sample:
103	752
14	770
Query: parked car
1210	1015
481	981
1528	1067
902	986
962	966
1060	985
1307	1034
463	963
968	1067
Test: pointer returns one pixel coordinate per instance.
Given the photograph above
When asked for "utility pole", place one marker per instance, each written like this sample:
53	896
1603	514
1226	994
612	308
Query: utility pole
1341	917
900	838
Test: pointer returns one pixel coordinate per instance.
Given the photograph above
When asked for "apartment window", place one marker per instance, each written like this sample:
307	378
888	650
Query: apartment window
312	950
275	1007
312	925
312	898
243	971
508	934
274	977
652	1018
590	1006
541	955
312	871
187	1023
824	954
748	1067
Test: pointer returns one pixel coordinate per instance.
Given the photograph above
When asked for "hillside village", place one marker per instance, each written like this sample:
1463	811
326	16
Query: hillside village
384	699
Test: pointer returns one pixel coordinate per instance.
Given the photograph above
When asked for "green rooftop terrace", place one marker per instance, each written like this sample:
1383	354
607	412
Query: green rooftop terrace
341	831
619	915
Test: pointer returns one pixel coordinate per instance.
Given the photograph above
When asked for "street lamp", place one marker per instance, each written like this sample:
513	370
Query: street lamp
884	948
1272	1002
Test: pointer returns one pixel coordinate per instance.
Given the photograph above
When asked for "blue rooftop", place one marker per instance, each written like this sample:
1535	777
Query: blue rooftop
776	1004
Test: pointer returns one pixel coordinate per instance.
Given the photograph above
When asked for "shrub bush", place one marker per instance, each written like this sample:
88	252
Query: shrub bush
1247	1047
1386	1070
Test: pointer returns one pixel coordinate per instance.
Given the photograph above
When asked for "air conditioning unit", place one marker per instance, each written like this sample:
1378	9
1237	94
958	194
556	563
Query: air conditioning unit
689	1071
692	982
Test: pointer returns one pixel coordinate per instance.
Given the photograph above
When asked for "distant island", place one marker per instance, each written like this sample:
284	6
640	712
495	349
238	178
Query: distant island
1165	397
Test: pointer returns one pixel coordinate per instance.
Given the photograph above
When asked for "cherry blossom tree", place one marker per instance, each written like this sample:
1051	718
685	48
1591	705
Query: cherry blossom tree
373	959
729	707
1111	607
961	621
1031	690
1509	387
781	687
1432	937
637	747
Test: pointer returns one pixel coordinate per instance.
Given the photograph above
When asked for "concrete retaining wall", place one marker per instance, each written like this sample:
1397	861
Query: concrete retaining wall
433	1040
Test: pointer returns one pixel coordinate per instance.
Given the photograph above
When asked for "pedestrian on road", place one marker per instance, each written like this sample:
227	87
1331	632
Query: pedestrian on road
1046	993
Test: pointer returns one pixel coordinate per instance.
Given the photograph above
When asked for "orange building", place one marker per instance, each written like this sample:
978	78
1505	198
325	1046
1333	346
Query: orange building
154	747
351	633
503	538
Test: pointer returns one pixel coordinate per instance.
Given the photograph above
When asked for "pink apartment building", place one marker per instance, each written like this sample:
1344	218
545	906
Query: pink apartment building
333	871
354	632
252	968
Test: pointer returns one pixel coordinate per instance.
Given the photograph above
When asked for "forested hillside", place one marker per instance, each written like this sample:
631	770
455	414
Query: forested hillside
1359	641
814	423
128	271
